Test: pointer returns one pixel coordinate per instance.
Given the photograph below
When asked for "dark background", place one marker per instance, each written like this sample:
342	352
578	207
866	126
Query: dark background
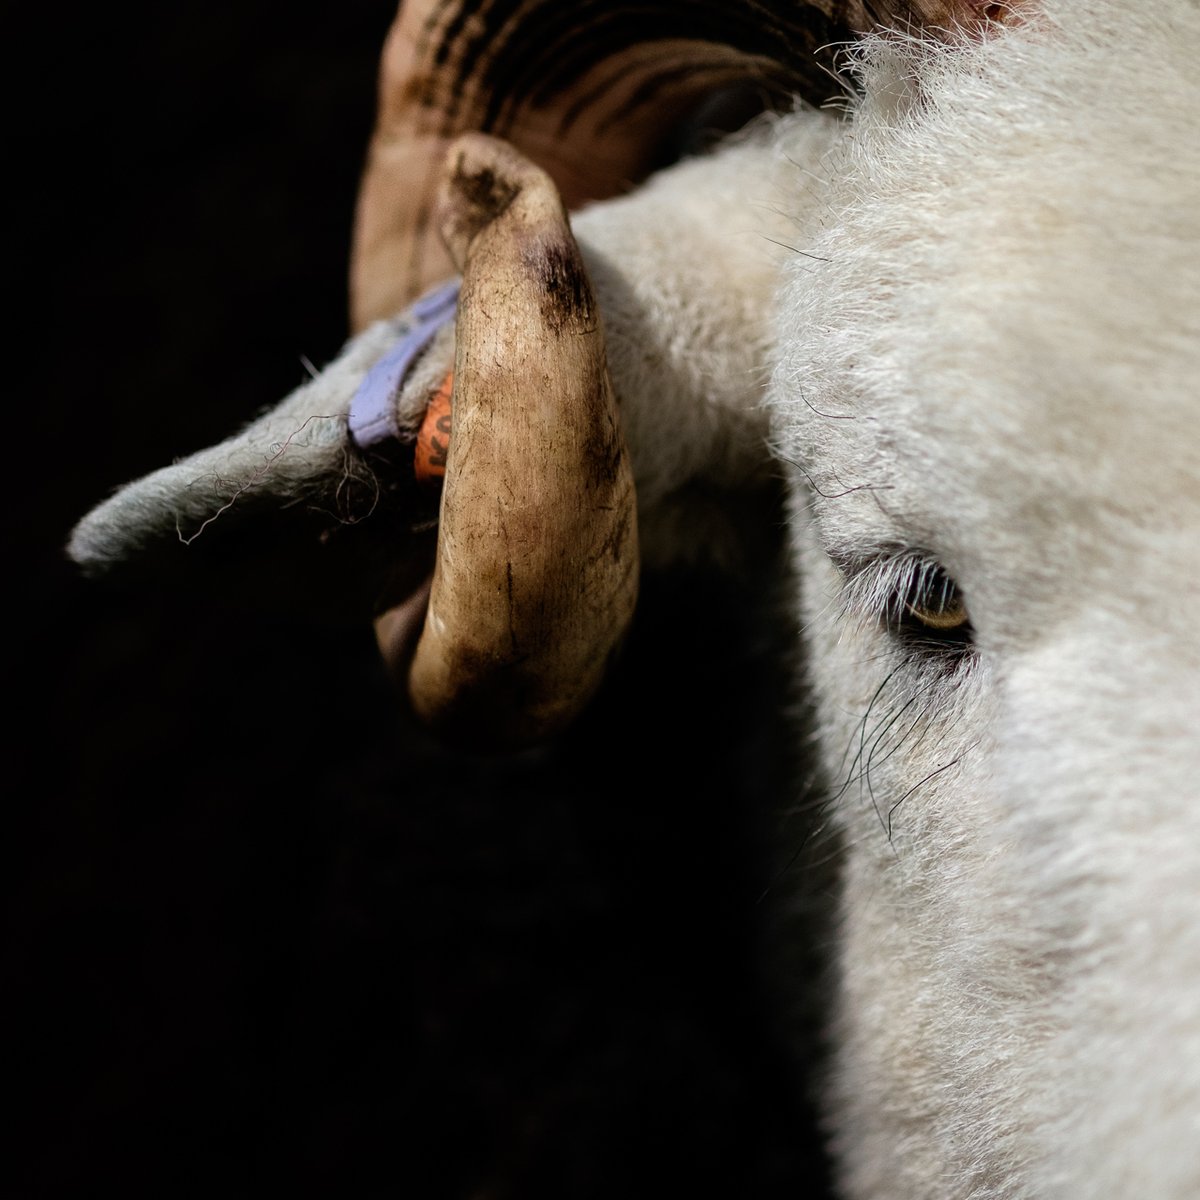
262	933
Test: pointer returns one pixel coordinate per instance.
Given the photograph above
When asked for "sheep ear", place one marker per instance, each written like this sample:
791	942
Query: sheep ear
288	509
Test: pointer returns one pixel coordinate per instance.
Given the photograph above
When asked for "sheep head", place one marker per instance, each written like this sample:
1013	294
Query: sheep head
292	509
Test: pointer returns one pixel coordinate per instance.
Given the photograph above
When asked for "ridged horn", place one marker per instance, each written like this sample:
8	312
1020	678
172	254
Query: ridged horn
593	92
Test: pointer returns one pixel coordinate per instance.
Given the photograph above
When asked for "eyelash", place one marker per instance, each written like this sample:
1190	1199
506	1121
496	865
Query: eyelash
912	597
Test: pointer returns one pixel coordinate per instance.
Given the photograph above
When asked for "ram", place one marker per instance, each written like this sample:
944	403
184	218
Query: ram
957	316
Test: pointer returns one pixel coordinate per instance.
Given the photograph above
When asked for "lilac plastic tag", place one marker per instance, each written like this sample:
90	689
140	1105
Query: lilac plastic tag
373	409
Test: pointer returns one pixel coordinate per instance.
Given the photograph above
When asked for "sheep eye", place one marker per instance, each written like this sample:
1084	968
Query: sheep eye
929	607
908	594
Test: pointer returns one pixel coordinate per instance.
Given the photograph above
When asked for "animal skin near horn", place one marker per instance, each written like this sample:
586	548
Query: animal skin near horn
537	566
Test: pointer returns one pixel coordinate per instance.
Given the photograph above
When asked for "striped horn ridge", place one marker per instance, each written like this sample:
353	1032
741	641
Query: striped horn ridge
592	92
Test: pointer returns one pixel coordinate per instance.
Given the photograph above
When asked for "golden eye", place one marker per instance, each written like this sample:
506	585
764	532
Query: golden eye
939	612
932	608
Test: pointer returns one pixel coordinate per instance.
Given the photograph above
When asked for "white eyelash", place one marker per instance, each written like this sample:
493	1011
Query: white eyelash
874	590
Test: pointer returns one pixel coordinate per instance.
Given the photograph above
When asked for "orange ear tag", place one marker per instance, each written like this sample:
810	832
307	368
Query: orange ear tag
433	438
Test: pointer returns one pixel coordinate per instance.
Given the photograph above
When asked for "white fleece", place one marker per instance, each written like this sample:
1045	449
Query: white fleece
991	361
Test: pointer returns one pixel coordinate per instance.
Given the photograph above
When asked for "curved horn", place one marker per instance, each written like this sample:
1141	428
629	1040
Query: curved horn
537	566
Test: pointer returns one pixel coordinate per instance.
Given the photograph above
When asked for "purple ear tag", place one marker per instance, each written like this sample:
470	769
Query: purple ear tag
373	409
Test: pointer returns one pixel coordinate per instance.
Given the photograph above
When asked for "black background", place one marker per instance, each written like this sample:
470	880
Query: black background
262	934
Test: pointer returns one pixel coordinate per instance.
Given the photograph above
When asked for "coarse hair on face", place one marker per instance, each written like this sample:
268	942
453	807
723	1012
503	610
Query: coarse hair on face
985	392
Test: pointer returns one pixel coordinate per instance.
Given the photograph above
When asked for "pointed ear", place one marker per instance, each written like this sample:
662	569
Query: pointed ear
289	509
